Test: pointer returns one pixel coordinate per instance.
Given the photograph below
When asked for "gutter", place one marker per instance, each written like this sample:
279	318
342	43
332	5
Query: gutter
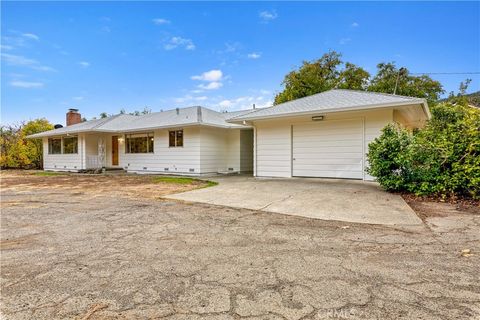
357	108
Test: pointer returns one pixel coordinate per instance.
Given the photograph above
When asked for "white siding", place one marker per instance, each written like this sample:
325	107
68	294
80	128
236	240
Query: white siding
64	162
205	150
220	150
178	160
274	139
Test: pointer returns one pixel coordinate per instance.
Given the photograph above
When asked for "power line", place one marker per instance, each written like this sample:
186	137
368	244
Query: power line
446	73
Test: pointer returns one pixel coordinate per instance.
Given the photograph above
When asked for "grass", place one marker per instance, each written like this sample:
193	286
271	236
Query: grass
48	173
182	180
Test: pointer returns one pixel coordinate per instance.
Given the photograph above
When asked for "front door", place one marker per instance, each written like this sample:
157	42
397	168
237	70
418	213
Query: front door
115	151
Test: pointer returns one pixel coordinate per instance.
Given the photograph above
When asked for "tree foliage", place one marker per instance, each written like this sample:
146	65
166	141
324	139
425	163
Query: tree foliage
441	159
321	75
330	72
19	152
390	79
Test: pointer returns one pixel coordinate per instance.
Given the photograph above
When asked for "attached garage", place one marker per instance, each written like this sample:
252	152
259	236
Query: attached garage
327	134
332	149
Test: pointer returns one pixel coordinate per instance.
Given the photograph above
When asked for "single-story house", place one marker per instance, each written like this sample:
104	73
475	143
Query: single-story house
323	135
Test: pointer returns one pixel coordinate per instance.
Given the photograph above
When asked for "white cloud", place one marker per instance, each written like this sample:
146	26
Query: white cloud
6	47
15	60
211	86
160	21
84	64
244	103
31	36
212	75
344	40
355	24
254	55
267	16
213	79
189	98
176	42
26	84
78	98
225	104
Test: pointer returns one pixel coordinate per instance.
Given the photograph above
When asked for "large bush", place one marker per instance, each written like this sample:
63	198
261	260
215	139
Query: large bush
442	159
18	152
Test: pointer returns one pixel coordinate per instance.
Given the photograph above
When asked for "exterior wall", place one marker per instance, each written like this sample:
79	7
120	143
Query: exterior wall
205	150
221	150
178	160
64	162
273	140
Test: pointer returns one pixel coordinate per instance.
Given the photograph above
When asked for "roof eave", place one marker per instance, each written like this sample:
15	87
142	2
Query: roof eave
356	108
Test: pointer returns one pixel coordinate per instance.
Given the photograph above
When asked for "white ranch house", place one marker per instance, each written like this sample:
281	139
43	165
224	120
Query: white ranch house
323	135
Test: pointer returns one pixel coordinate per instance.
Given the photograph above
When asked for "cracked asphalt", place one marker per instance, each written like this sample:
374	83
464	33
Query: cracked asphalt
73	254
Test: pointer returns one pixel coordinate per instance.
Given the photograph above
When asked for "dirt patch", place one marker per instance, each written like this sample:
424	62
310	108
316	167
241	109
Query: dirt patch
428	207
137	186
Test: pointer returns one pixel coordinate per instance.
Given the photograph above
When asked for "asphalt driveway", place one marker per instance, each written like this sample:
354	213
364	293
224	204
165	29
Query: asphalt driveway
73	249
327	199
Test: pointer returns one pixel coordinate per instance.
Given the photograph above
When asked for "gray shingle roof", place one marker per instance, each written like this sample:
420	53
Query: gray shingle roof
165	119
330	101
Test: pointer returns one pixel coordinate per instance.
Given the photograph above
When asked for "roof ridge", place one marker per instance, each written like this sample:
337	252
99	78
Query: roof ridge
108	119
375	92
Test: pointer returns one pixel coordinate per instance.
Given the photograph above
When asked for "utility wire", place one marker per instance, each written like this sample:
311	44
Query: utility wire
419	73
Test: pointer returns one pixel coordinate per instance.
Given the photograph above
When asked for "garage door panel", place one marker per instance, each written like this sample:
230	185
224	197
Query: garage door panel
328	149
334	162
331	174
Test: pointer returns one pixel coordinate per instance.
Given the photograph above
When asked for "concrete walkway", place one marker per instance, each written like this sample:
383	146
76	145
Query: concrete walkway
327	199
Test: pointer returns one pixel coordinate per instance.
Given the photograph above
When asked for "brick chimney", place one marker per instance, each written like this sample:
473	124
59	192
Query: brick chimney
73	117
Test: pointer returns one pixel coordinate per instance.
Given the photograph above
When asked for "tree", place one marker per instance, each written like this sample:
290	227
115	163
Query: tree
103	115
330	72
321	75
390	79
19	152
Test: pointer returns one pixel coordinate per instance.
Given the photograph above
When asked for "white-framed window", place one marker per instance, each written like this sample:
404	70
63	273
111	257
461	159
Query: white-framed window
54	145
139	143
64	145
70	145
175	138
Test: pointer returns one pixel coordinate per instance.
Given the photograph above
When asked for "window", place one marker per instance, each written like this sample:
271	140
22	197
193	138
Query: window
55	146
70	145
175	138
139	143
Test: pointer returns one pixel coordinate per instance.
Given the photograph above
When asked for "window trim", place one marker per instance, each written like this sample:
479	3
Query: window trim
147	135
62	145
176	138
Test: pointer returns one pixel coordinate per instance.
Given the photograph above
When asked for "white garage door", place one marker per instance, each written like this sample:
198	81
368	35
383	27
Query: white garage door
332	149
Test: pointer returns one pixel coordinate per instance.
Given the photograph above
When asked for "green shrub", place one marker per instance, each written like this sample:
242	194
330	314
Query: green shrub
441	159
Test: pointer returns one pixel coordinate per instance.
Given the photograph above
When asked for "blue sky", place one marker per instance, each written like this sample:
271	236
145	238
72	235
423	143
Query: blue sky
105	56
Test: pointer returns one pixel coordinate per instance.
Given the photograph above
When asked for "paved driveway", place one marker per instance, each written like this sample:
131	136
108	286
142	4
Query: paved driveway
328	199
70	252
